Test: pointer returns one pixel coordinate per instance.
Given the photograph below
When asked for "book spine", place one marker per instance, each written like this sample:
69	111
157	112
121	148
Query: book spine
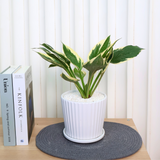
29	102
20	109
7	106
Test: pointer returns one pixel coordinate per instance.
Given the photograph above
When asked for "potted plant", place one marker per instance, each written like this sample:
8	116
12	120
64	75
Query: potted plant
84	109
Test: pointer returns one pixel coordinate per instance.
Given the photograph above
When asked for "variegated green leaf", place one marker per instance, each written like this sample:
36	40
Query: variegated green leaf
68	78
43	49
54	56
76	72
60	60
124	54
73	56
99	48
50	48
109	56
95	50
52	65
50	59
95	64
106	44
108	59
106	52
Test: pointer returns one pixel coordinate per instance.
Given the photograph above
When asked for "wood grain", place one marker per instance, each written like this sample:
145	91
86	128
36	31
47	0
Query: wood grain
31	152
80	24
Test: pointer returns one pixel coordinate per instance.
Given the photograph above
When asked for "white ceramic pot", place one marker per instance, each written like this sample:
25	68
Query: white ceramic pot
83	120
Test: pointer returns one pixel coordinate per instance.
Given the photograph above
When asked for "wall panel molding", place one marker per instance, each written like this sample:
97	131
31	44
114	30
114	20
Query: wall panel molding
132	88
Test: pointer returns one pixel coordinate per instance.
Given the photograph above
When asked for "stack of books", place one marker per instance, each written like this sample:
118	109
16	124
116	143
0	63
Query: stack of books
17	105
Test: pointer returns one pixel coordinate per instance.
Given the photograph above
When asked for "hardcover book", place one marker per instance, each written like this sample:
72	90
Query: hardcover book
7	106
23	103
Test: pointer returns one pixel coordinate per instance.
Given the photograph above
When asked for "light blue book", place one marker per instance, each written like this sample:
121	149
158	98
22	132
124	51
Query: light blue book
7	106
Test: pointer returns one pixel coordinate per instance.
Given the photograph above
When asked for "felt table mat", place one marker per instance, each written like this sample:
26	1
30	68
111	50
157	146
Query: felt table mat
119	141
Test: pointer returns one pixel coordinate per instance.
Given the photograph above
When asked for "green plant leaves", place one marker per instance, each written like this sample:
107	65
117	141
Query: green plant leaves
59	59
99	48
105	45
54	56
68	78
109	56
94	52
48	58
77	73
60	55
52	65
73	56
125	53
106	52
108	59
103	48
95	64
98	60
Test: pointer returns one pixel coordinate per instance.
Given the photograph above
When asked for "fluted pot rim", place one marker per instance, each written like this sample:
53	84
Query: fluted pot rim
62	97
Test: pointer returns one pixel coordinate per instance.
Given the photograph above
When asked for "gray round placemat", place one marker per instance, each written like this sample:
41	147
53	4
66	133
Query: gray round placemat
119	141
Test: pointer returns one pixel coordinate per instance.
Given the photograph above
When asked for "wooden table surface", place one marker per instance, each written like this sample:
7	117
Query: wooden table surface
31	152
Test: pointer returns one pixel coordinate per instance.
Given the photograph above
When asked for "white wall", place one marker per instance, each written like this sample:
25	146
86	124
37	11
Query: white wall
133	88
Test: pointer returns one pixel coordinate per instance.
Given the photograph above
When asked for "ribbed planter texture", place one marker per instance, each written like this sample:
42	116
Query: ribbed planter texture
83	120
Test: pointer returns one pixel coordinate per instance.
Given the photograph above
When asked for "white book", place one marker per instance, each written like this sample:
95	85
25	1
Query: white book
7	106
23	104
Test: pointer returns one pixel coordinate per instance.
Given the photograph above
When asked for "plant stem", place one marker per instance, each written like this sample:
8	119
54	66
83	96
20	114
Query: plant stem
71	72
95	82
82	80
89	83
92	79
78	86
101	73
80	90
